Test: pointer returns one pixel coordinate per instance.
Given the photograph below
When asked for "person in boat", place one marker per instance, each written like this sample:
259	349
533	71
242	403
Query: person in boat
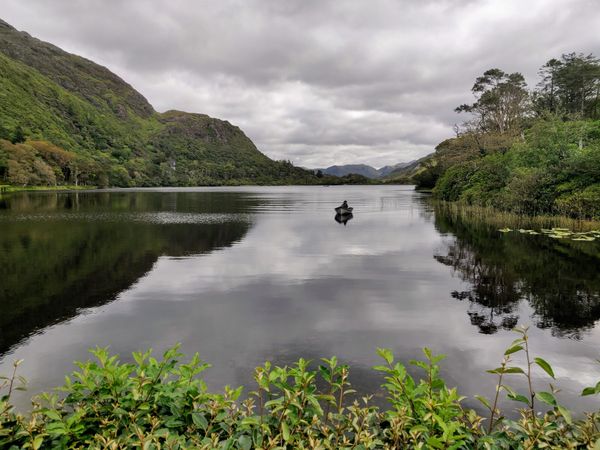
344	205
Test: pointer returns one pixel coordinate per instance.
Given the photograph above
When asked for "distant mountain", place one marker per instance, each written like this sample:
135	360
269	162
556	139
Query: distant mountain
67	120
386	170
358	169
363	169
404	173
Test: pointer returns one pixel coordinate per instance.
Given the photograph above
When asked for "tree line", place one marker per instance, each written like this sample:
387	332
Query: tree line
568	88
531	151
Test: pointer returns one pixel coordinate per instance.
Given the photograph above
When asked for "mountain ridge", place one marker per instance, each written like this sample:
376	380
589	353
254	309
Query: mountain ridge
363	169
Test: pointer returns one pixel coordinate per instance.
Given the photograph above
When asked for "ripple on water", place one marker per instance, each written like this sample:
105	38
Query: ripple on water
159	217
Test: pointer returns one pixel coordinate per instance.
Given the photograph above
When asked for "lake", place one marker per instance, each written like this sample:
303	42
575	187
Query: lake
248	274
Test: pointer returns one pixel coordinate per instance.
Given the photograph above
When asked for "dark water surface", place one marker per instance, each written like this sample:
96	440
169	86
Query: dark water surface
244	275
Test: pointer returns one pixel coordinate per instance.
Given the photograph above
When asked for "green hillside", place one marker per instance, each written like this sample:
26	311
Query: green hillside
406	174
67	120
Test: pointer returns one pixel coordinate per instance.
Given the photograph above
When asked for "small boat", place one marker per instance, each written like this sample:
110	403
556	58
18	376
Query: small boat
343	210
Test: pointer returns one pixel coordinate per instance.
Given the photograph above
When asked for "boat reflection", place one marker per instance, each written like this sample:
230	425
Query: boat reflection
343	218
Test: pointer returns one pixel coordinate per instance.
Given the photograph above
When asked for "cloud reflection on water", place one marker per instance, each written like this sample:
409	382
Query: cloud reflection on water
297	285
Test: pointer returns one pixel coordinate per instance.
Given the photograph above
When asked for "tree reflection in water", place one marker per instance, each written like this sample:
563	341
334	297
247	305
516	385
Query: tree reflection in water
62	253
559	279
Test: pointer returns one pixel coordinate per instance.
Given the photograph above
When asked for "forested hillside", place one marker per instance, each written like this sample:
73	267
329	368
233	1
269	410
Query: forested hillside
528	151
67	120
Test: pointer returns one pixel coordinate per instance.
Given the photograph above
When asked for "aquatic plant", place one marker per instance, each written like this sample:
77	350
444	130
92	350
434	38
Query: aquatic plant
156	404
559	233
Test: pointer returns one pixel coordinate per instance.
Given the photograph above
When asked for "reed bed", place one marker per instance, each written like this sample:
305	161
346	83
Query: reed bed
501	219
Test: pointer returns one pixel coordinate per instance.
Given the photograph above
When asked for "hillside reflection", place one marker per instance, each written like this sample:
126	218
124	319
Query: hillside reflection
559	280
62	262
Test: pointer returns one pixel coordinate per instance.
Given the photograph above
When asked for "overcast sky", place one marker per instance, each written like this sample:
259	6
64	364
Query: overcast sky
317	82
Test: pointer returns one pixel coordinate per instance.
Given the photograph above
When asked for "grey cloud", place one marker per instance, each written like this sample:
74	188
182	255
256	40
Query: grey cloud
318	82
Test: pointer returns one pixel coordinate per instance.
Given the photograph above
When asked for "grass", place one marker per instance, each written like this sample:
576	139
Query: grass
502	219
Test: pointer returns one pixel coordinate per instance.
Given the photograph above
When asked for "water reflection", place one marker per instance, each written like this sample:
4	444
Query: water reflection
560	280
53	266
244	275
343	218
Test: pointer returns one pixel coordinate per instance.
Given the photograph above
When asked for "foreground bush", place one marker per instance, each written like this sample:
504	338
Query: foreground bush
154	404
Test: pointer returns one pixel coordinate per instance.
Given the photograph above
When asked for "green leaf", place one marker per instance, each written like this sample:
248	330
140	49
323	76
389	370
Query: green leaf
544	365
513	349
547	398
245	442
161	432
434	442
588	391
565	413
438	358
499	370
427	352
386	354
200	421
54	415
518	398
485	401
249	421
37	442
418	429
285	429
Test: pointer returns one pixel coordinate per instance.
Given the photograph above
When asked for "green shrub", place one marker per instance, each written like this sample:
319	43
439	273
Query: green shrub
585	203
155	404
551	169
529	191
451	185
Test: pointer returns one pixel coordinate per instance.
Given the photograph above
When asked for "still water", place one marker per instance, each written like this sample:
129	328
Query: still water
244	275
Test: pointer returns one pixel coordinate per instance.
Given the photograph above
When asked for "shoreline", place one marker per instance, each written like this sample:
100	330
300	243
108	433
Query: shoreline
498	218
7	189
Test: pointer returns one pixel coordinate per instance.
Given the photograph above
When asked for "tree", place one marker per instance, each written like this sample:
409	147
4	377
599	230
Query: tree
501	102
44	175
18	135
579	81
546	98
570	86
55	156
4	133
17	173
3	164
